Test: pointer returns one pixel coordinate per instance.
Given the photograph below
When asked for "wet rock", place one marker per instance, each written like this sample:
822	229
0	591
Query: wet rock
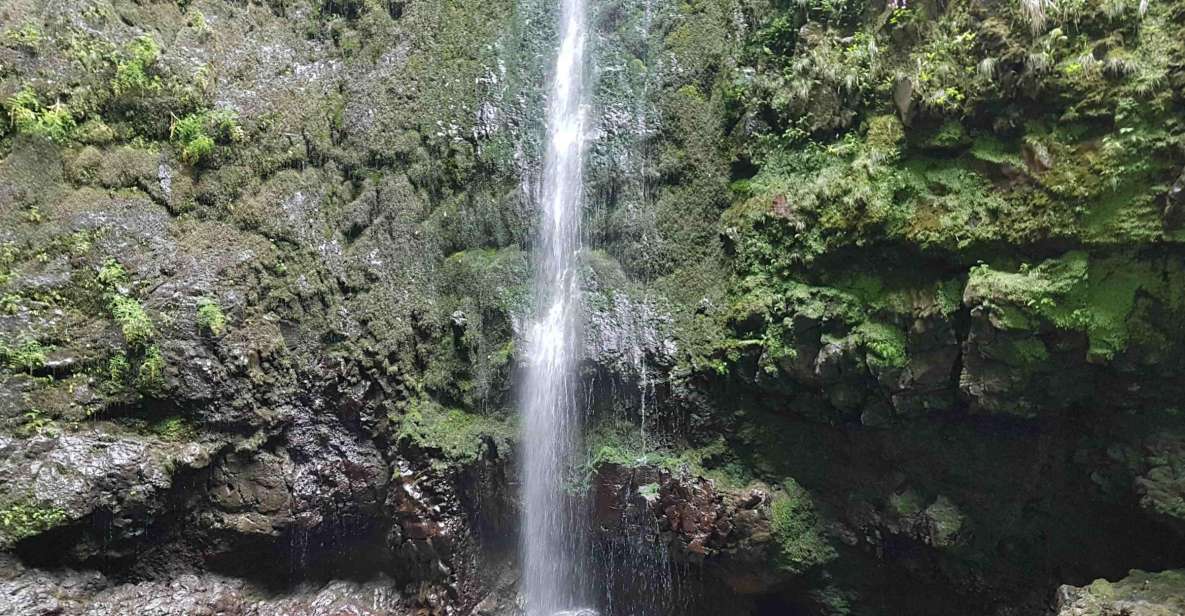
1174	207
77	593
903	99
725	530
81	473
253	492
626	336
1138	594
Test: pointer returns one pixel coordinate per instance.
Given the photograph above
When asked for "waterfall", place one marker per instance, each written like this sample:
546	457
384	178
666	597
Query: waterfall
553	536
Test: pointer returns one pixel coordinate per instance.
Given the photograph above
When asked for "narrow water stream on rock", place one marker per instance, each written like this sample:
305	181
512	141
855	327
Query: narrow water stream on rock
552	535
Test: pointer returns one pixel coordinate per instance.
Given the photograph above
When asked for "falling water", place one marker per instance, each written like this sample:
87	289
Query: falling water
552	535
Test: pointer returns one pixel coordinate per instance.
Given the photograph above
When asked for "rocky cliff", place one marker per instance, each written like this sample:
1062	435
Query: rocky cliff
884	305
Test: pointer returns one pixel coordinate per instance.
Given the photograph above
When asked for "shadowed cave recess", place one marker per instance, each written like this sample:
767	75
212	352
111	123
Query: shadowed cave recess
869	308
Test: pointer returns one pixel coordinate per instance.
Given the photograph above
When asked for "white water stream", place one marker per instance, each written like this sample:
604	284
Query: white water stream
552	535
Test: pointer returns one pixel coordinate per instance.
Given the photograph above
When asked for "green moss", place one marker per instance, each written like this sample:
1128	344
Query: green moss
621	442
174	429
459	437
23	519
210	316
482	293
1161	592
885	133
906	504
1076	292
992	150
950	135
1102	589
947	520
797	530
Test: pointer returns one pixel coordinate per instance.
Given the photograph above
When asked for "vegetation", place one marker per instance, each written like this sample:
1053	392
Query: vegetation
857	226
796	530
150	375
133	321
27	36
459	436
1074	292
176	429
196	134
210	317
36	422
141	367
132	73
112	274
26	356
27	115
21	520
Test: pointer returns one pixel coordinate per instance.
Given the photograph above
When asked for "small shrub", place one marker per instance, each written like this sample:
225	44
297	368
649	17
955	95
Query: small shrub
133	321
150	376
210	316
27	115
885	344
197	133
21	520
131	74
118	368
796	529
26	357
196	150
112	274
28	36
10	303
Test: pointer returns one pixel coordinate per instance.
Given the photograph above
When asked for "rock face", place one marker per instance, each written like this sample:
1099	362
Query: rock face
1138	594
71	593
217	327
884	306
645	518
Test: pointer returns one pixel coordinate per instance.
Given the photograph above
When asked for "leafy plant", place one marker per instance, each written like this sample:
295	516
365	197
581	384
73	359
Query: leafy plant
796	528
28	36
36	422
10	303
26	357
27	115
133	321
112	274
118	368
210	316
197	133
152	369
131	74
173	429
21	520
